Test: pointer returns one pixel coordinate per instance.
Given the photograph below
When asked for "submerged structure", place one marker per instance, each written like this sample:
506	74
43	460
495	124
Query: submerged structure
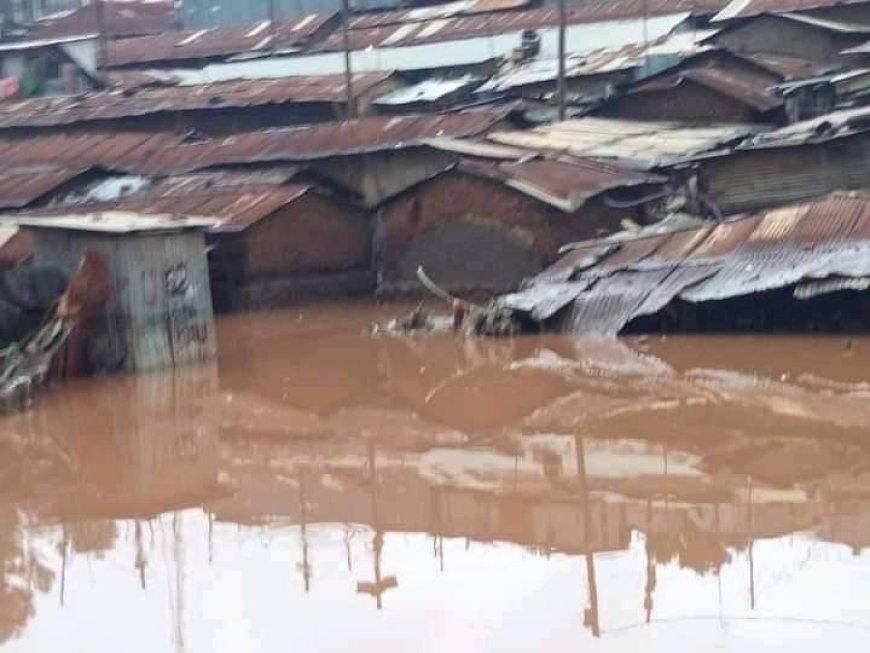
144	300
802	267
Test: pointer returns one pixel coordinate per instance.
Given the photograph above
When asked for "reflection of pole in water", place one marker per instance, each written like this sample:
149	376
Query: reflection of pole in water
590	614
141	562
64	549
303	531
751	550
178	554
651	579
380	584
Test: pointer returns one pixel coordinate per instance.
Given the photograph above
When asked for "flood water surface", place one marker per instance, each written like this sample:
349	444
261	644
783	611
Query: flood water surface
317	489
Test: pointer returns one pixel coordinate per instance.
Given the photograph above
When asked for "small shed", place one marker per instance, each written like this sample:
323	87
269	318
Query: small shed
159	311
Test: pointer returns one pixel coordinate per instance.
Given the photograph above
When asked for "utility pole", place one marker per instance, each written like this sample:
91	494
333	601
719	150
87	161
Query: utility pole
102	54
273	26
561	91
348	74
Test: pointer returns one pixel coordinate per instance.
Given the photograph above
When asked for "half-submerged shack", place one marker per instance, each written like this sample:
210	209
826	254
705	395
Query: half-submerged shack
158	310
804	267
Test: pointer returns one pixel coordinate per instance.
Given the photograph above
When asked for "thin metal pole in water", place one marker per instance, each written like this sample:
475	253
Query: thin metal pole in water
273	26
348	74
561	91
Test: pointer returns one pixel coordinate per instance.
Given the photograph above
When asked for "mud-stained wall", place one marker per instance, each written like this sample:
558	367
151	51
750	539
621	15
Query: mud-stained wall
310	235
473	233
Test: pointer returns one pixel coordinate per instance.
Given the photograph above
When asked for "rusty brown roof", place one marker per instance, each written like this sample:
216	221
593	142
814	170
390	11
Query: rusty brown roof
565	183
238	200
747	8
787	67
220	42
610	283
324	140
120	19
463	27
114	104
127	151
22	186
733	83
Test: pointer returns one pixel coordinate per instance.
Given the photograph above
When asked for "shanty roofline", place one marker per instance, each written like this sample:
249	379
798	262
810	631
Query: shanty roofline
831	126
864	48
111	105
20	187
429	90
747	8
233	202
112	222
128	18
36	44
594	10
167	153
566	184
218	42
492	25
639	144
609	283
745	88
377	18
321	141
827	25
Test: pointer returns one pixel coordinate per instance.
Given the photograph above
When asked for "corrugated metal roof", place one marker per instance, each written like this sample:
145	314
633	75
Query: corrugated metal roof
776	249
108	105
746	8
838	26
447	10
321	141
429	90
128	151
465	49
733	83
831	126
788	67
476	148
595	62
467	27
111	222
36	44
130	18
643	144
565	183
217	42
20	187
864	48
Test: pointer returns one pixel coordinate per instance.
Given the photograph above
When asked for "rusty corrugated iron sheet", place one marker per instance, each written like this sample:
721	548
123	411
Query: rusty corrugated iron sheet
126	151
738	85
464	27
236	200
109	105
20	187
566	183
133	18
645	144
828	239
747	8
320	141
219	42
829	127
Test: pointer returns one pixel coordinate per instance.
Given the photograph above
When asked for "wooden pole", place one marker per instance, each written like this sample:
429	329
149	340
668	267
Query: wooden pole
348	73
561	90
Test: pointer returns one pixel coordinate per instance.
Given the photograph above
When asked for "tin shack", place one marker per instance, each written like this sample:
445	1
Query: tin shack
158	311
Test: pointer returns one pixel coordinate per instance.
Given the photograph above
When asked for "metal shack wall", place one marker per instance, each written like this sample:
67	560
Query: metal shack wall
758	179
159	313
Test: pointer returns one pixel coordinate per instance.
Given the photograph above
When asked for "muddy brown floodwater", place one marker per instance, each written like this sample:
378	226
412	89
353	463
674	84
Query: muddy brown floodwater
320	490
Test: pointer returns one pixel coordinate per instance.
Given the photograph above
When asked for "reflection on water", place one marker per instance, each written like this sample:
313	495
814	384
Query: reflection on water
317	489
